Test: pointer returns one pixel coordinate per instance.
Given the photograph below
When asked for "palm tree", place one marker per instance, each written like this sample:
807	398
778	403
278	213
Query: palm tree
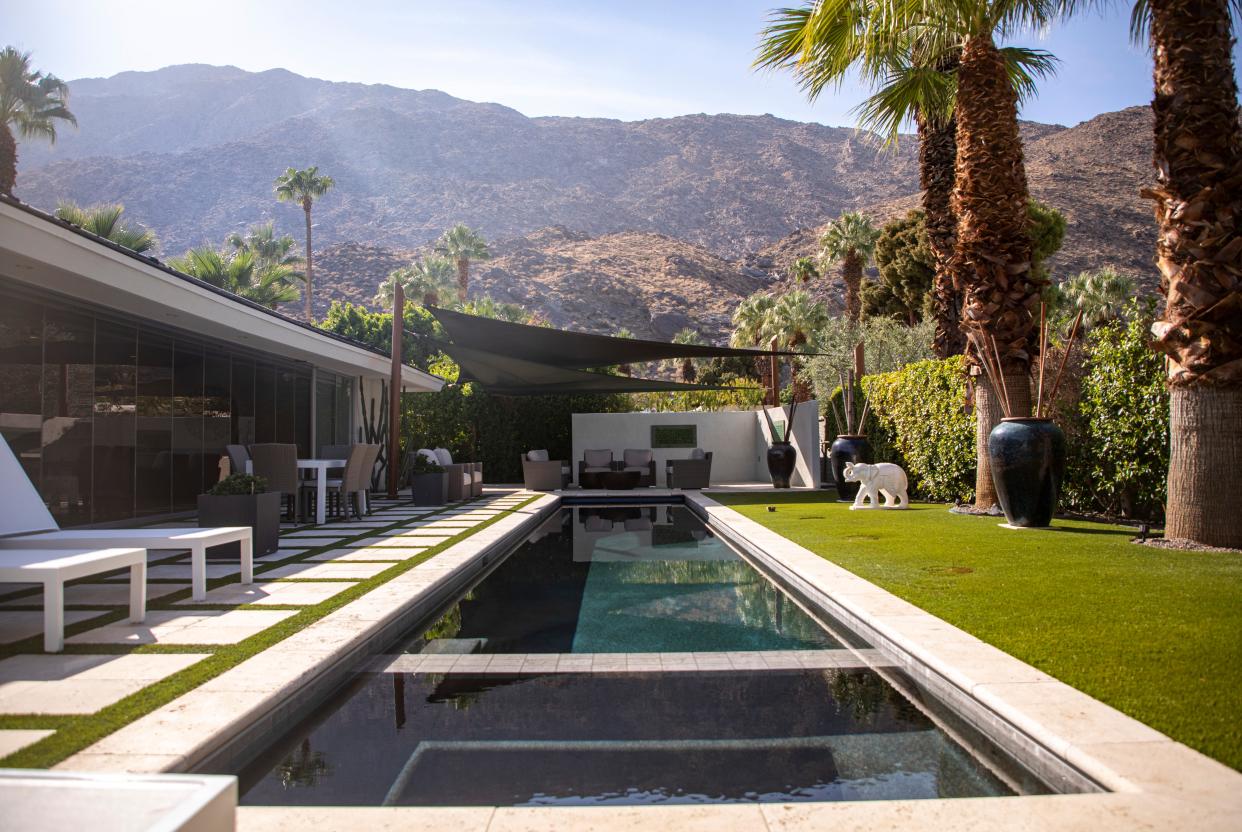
795	317
105	221
850	240
687	368
804	269
461	244
241	273
915	78
304	187
427	278
1100	295
1198	161
31	103
752	327
267	247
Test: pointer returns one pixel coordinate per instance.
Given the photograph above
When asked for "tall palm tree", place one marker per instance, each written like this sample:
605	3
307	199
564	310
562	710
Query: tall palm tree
1198	196
426	278
31	103
105	221
241	273
687	368
915	78
461	244
752	327
804	269
795	317
850	240
304	187
1100	295
267	247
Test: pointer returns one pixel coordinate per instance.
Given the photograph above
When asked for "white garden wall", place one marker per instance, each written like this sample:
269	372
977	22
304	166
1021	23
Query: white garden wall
737	439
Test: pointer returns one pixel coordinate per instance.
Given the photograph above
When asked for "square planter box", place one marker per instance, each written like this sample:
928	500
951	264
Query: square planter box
261	512
429	489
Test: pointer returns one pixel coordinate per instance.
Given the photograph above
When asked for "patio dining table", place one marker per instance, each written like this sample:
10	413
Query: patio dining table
320	467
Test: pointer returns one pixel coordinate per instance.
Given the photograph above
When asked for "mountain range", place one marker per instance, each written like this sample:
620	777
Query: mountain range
597	223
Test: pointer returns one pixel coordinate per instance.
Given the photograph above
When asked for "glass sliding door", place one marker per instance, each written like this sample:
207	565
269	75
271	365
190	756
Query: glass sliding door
154	465
21	384
68	425
188	368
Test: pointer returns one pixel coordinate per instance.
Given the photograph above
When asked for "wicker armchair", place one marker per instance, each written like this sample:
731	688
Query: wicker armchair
695	472
641	460
539	473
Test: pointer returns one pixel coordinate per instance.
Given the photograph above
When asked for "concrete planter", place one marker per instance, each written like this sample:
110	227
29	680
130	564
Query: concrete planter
261	512
429	489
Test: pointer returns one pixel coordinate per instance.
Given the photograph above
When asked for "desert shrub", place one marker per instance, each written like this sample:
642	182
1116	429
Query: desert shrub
1124	405
921	406
889	346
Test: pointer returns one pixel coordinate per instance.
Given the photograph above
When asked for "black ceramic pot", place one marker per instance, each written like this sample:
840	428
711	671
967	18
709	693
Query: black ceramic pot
1028	464
846	449
781	459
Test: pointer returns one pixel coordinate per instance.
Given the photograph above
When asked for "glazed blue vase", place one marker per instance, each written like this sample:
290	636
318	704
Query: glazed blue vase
848	449
1028	464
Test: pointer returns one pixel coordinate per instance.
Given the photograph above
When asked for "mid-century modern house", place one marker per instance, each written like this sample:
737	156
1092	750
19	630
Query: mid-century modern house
121	380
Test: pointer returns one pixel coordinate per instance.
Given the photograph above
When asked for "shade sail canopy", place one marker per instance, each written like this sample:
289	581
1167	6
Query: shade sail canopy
574	350
504	375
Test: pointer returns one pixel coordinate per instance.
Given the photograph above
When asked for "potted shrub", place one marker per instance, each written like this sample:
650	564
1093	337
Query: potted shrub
428	482
852	446
242	500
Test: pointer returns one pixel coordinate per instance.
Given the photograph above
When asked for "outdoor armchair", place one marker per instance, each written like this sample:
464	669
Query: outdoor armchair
465	479
593	462
695	472
539	473
278	464
641	460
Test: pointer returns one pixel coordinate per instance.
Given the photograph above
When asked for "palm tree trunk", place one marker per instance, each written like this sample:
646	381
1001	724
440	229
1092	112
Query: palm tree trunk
310	280
992	253
851	271
1198	196
8	160
463	279
937	156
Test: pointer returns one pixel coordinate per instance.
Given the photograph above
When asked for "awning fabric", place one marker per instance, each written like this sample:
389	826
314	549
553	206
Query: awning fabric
574	350
505	375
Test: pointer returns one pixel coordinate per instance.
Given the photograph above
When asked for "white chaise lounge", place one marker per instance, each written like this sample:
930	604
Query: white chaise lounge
54	567
25	523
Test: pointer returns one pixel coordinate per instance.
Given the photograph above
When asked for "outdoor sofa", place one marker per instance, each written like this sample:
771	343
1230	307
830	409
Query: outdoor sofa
600	461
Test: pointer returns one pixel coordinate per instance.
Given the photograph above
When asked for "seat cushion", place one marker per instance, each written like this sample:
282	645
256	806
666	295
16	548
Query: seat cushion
443	456
698	453
537	456
638	457
566	470
597	459
596	469
642	469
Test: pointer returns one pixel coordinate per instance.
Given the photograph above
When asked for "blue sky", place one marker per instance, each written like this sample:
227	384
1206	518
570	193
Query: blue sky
628	60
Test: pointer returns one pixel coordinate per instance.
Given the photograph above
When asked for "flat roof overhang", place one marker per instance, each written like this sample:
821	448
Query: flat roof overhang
45	255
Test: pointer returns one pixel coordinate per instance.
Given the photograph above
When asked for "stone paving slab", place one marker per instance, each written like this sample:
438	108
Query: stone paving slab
71	684
16	625
484	663
16	739
182	571
185	627
434	531
305	569
390	553
100	595
273	592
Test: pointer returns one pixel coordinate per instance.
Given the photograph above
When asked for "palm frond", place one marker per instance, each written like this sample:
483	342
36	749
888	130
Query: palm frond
1026	67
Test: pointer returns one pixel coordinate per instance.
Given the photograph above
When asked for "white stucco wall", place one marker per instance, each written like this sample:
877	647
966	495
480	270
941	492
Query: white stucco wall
736	438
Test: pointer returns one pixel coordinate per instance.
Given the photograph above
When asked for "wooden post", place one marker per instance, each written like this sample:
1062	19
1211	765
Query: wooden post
394	390
775	374
860	360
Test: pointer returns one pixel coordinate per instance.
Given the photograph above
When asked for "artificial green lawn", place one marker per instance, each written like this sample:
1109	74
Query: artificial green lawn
1156	633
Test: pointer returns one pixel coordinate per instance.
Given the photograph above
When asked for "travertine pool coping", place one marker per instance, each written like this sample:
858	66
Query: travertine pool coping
1154	782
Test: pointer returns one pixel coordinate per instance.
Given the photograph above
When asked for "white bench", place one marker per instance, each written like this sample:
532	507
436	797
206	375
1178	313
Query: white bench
53	567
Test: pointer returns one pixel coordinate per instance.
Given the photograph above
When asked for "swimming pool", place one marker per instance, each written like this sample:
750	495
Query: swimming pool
626	655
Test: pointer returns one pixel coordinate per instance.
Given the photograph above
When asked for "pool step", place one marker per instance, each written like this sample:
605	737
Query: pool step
508	663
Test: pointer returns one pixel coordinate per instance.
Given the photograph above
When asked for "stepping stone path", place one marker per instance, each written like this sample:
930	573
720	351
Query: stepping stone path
311	565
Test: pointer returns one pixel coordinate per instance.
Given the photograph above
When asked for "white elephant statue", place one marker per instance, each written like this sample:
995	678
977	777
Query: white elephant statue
873	480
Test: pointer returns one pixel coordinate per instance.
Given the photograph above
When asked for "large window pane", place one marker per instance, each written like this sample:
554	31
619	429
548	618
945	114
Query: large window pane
187	424
217	418
155	423
325	410
243	401
68	402
116	355
344	409
302	414
21	383
264	403
286	425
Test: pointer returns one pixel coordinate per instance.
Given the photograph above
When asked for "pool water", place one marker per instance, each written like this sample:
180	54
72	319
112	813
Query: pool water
649	579
819	723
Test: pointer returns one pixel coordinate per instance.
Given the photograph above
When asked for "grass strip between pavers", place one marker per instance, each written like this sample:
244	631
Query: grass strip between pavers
76	733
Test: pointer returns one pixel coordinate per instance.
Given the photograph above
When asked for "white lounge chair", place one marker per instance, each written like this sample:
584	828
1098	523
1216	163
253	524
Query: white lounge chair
53	567
25	523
